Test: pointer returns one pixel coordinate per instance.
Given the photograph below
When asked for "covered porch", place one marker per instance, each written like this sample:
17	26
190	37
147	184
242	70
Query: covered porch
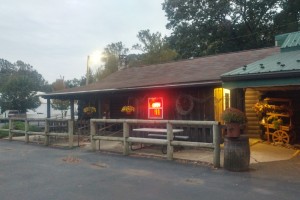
272	92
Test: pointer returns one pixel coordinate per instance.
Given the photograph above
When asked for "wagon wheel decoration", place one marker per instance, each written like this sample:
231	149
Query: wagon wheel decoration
184	104
281	136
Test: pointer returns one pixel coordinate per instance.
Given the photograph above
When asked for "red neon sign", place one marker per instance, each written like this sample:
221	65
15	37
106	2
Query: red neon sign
155	108
156	105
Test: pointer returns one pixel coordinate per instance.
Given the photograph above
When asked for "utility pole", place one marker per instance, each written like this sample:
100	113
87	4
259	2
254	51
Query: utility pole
87	71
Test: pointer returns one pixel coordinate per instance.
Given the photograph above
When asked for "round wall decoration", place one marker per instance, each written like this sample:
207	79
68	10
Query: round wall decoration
184	104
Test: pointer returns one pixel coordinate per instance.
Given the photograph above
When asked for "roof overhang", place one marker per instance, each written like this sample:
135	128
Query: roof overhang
75	94
272	82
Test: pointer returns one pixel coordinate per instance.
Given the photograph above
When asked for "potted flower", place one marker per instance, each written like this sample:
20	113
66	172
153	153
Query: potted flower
276	121
89	110
235	120
128	109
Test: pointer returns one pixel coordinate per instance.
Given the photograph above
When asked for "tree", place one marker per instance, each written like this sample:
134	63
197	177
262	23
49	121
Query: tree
288	20
17	94
19	86
111	55
155	48
203	27
75	82
58	104
6	70
27	70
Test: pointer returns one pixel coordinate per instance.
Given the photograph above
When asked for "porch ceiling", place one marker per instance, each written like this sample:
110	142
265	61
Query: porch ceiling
279	88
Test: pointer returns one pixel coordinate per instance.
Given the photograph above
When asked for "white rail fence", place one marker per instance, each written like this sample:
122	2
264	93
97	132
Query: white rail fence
169	141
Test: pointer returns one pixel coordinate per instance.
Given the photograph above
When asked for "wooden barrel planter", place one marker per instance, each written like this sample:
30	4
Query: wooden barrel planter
236	154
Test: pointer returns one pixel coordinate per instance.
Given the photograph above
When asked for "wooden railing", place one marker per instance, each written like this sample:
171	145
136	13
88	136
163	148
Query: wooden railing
121	131
51	127
169	142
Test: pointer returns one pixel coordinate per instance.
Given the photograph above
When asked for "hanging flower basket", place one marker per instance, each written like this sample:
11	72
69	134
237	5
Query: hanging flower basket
128	109
89	110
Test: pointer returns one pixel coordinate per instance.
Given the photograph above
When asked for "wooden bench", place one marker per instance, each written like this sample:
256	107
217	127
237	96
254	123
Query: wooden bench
160	133
176	137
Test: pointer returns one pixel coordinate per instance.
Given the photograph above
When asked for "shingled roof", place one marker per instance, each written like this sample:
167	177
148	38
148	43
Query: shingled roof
192	72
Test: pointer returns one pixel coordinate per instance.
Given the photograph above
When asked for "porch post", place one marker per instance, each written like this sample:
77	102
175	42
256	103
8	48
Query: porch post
26	130
48	108
47	137
93	132
126	129
237	98
71	132
170	137
72	109
10	134
216	143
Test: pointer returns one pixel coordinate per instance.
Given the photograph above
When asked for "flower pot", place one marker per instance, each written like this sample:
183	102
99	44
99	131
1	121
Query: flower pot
233	130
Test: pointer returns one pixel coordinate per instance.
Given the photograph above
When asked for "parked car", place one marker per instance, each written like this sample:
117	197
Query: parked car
12	113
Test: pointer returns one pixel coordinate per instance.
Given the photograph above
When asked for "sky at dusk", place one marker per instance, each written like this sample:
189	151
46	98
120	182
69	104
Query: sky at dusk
56	36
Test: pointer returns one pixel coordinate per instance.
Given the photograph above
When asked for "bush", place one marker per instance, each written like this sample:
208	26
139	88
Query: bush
233	115
5	126
3	134
18	125
34	128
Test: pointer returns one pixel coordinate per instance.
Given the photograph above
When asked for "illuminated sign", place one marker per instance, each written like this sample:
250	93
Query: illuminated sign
155	108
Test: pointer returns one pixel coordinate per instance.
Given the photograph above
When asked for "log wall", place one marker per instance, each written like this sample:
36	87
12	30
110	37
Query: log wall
251	97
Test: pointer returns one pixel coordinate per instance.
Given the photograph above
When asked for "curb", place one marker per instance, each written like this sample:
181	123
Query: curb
296	154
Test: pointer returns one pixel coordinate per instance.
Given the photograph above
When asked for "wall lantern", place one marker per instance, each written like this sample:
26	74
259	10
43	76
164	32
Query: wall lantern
155	108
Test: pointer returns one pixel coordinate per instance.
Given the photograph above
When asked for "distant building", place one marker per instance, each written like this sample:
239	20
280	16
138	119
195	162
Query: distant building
41	111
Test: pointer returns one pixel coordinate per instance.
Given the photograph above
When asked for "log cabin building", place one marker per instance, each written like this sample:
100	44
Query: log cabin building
183	90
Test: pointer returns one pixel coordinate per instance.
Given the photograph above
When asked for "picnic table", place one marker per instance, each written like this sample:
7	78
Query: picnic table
160	133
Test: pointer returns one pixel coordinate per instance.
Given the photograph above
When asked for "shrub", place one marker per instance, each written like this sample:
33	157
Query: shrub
3	134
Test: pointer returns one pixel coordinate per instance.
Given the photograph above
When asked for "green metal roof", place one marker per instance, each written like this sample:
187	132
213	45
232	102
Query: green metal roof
292	42
285	62
280	39
282	69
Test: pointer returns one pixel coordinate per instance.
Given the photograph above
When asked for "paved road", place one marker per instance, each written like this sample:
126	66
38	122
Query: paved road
34	172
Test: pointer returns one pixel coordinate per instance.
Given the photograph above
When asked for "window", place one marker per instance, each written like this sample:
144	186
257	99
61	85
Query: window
155	108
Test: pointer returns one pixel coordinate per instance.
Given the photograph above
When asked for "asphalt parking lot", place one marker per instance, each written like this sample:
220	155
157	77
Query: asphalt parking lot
35	172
